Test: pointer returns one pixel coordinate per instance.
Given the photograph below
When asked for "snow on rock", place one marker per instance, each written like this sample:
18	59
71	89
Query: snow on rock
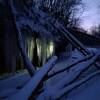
10	85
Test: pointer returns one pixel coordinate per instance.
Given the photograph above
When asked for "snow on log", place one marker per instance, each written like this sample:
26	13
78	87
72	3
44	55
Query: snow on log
75	85
73	75
75	72
76	43
53	72
31	86
72	39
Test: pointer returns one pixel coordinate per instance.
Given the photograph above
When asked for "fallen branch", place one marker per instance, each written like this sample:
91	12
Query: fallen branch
77	43
73	40
53	73
32	85
75	72
72	76
68	89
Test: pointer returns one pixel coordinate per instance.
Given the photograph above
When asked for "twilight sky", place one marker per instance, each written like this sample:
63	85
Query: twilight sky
91	15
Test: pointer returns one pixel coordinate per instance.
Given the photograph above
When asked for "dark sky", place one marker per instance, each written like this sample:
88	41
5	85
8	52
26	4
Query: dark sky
91	15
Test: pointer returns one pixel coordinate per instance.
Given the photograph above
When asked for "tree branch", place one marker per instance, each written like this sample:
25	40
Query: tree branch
53	73
32	85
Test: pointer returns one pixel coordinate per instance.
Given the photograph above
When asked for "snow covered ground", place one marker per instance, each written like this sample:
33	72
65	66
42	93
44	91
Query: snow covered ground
89	91
62	63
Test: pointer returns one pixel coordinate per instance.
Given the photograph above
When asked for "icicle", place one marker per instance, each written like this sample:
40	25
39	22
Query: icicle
30	43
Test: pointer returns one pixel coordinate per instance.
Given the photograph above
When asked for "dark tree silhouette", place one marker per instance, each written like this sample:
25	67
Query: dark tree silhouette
63	10
96	31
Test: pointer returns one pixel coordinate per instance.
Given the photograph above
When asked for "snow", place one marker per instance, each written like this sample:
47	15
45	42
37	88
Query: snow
55	86
30	87
14	81
88	91
10	85
75	84
65	78
65	63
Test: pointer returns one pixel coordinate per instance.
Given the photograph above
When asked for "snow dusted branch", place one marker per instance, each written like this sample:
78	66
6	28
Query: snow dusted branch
32	85
76	84
53	73
77	44
74	73
74	41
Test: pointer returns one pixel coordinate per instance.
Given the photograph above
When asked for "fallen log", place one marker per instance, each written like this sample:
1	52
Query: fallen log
73	40
53	73
32	85
77	44
68	89
72	76
76	71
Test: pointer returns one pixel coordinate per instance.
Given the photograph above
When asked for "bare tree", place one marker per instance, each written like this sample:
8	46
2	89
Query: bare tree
63	10
96	31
